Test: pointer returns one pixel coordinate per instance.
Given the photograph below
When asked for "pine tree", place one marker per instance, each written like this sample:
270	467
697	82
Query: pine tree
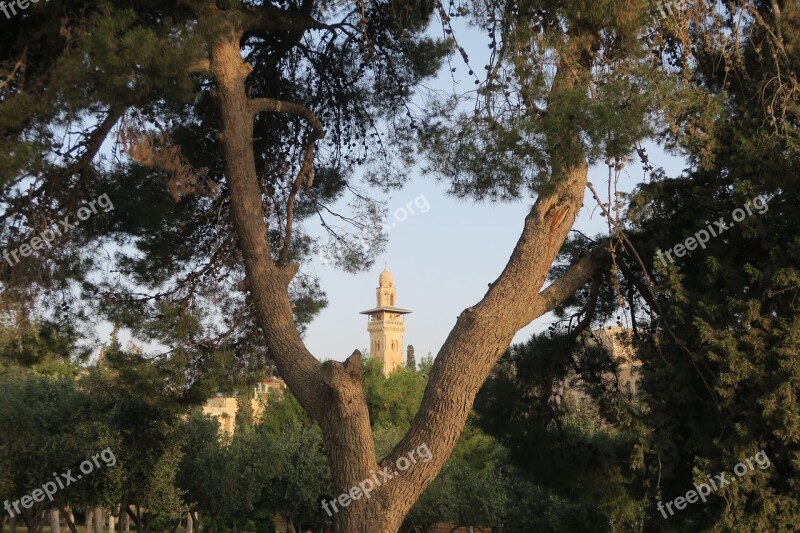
237	121
720	352
411	361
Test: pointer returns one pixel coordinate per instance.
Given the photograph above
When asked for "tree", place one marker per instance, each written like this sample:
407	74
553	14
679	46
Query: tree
300	478
720	358
143	402
569	454
411	362
221	109
52	413
45	348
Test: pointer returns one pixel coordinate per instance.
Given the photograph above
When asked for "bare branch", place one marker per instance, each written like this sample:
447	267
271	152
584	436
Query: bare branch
306	174
270	105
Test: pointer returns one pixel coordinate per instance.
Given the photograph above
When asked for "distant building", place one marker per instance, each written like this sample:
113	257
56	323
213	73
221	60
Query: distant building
619	343
386	325
224	408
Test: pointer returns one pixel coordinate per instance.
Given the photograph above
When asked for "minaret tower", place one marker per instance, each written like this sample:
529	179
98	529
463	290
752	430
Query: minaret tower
386	325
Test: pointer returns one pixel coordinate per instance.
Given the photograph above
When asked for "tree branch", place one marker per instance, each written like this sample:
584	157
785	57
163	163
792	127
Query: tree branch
483	332
306	174
574	278
270	18
270	105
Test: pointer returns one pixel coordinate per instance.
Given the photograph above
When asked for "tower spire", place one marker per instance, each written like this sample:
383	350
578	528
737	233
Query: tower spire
386	325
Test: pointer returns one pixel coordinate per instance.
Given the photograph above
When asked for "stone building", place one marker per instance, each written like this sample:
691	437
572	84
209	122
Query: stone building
386	325
224	408
619	342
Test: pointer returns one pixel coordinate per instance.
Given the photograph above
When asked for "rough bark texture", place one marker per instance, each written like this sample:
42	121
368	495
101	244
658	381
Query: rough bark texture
333	392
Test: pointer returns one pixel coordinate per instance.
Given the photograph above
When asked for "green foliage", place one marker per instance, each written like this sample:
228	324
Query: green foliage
281	410
562	448
277	466
411	361
566	83
300	478
60	420
472	489
720	364
393	400
43	348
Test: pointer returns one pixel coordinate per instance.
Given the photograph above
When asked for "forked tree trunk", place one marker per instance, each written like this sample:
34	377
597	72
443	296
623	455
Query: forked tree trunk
69	519
333	392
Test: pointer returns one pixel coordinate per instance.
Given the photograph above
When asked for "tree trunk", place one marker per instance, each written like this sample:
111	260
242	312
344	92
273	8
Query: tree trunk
12	524
123	516
55	521
99	520
175	525
27	518
332	392
110	523
68	519
136	520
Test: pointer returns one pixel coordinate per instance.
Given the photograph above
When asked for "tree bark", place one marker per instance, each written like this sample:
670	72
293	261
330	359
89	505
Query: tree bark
123	515
68	519
99	520
55	521
332	392
136	520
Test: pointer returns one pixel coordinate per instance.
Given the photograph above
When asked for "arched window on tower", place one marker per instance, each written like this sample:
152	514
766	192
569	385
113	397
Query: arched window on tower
391	299
628	389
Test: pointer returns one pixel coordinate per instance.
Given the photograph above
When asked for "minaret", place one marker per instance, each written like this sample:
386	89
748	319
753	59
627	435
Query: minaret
386	325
